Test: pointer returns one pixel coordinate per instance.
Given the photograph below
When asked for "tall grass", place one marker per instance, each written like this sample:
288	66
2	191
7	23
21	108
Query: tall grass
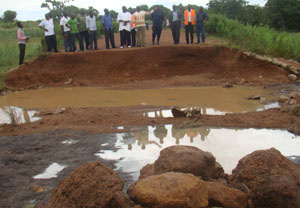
258	39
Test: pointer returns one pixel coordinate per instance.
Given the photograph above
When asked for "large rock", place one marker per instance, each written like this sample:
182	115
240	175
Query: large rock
223	196
91	185
146	171
188	159
273	180
170	190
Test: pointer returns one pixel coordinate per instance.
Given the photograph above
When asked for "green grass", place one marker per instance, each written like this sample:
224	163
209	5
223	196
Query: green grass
258	39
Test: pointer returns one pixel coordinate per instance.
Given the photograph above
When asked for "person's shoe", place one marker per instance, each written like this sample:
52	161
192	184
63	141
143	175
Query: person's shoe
114	47
108	48
129	46
122	47
157	43
153	43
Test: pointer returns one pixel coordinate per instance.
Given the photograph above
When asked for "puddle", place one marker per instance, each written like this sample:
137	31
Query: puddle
16	115
214	99
51	171
135	150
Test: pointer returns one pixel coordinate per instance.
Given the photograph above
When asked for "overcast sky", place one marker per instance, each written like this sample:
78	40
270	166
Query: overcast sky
31	9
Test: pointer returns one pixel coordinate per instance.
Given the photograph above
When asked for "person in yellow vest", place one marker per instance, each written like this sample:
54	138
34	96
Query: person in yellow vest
189	22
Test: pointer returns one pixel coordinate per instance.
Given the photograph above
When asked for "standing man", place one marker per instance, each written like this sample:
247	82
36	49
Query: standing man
92	30
48	26
22	39
73	25
124	19
66	32
202	17
108	28
82	28
133	29
175	18
139	18
157	18
189	22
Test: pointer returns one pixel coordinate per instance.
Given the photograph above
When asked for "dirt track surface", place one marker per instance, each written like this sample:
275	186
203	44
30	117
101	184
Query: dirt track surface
152	66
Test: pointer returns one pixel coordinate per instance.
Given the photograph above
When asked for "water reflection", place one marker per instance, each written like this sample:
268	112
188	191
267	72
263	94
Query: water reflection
51	171
135	150
15	115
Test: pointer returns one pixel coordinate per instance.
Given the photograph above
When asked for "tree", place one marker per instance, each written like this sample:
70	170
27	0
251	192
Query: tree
9	16
56	7
283	14
72	10
230	8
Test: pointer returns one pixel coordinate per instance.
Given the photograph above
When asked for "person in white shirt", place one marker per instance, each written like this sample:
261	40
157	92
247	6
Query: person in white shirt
48	26
124	19
66	32
92	30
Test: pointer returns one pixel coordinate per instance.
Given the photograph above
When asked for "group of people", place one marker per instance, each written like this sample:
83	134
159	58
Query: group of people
132	28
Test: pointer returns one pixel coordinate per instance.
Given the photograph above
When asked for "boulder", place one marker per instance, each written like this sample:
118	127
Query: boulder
293	77
121	200
223	196
91	185
188	159
273	180
170	190
146	171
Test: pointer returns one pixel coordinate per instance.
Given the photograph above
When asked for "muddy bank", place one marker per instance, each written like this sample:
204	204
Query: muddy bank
153	66
23	157
105	120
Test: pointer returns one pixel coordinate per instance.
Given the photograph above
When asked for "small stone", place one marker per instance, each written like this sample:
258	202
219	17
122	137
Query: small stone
294	94
254	97
38	189
293	77
292	102
70	81
283	98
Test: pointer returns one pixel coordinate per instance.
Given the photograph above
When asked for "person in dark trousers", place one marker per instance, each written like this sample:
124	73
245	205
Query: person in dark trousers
22	39
189	22
200	24
82	28
73	25
66	32
124	19
108	28
157	18
133	29
175	19
48	26
92	30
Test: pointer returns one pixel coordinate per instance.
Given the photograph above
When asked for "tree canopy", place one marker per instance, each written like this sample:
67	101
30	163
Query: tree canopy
9	16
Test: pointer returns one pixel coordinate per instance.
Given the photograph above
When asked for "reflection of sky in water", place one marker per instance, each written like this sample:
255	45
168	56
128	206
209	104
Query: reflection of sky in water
21	116
50	172
227	145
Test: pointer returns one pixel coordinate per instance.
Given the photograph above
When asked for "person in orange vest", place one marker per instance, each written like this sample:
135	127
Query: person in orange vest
189	22
133	29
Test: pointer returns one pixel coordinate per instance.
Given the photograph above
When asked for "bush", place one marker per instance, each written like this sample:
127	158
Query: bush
258	39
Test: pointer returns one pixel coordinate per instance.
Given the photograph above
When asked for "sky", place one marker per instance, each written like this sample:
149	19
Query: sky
31	9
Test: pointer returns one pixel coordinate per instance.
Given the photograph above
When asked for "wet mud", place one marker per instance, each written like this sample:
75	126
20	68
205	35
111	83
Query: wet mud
24	157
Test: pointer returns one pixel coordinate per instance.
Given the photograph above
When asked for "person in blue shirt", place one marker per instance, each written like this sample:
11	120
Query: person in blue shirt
157	18
202	17
108	28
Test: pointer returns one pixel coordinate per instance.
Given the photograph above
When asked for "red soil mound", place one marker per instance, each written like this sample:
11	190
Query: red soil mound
115	67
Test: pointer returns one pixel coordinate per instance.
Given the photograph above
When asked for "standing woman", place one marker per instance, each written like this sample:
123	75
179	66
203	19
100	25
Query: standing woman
22	39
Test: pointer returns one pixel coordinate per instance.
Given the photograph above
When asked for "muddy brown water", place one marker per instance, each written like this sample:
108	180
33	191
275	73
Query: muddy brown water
221	99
